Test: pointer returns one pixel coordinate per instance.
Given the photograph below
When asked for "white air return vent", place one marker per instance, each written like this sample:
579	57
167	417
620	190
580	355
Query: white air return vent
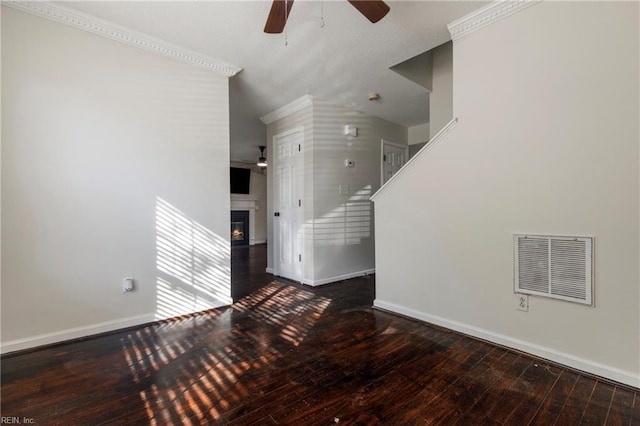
553	266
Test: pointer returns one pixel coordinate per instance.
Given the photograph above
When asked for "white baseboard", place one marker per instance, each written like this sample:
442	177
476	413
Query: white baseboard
74	333
269	271
569	360
336	278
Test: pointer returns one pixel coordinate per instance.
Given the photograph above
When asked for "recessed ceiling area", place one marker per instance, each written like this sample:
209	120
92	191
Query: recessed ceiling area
341	62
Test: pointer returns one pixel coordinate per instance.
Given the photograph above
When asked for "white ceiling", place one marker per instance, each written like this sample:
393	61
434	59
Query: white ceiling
340	63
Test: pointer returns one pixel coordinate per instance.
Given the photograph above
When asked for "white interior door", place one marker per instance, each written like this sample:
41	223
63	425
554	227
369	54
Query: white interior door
394	156
288	218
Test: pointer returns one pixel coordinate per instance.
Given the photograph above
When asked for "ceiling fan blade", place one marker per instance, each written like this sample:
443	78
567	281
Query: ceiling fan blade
373	10
277	18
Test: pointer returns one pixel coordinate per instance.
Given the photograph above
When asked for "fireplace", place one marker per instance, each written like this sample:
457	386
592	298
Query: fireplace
240	227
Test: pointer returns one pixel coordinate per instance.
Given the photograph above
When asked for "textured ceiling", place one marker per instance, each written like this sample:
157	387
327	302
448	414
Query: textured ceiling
340	63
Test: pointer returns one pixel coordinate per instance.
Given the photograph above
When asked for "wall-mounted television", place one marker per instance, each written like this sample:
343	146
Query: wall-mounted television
240	180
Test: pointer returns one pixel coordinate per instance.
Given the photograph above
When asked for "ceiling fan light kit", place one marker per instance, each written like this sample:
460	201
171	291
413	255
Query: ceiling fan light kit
373	10
262	160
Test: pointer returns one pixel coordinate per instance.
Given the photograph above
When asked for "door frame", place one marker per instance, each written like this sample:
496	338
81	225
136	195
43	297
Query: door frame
384	142
275	223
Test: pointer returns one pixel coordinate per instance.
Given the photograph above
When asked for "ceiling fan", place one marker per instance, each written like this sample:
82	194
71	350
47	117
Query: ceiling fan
373	10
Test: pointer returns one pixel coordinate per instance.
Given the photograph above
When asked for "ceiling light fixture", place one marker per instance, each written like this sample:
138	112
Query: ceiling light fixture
262	160
373	96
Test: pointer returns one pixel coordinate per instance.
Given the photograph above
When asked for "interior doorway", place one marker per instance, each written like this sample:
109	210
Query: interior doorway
393	157
288	217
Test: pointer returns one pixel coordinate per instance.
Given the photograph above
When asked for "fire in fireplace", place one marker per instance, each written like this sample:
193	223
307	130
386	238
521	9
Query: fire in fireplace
237	231
239	227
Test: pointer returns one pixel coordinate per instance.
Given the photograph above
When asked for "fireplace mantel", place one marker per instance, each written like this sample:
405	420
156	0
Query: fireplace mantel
250	205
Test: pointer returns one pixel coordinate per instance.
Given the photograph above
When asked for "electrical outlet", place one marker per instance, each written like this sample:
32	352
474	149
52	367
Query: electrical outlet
522	302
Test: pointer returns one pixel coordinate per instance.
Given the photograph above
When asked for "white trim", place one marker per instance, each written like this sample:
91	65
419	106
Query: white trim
74	333
290	132
487	15
384	142
260	242
550	354
275	224
397	145
288	109
446	129
336	278
122	34
243	204
269	271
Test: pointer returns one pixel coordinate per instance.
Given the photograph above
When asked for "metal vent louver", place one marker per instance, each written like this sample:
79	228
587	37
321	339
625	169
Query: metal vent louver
554	266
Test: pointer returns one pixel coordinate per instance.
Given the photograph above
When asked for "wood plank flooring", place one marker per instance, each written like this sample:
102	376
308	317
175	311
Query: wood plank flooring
287	354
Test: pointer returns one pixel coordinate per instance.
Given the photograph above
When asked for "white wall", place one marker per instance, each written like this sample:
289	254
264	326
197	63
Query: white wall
338	234
1	9
547	143
257	193
115	163
418	137
441	98
418	134
343	224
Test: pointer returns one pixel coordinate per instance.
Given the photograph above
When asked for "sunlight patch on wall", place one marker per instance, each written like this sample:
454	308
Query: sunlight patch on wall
347	224
193	264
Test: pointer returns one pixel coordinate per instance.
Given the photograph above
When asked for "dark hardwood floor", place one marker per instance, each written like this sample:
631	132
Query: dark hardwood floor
287	354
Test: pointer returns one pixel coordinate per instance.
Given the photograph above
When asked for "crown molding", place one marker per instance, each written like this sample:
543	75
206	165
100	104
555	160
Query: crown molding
124	35
288	109
487	15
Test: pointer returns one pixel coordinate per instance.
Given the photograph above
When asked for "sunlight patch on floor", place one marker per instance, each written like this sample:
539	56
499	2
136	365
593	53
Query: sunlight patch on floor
198	369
